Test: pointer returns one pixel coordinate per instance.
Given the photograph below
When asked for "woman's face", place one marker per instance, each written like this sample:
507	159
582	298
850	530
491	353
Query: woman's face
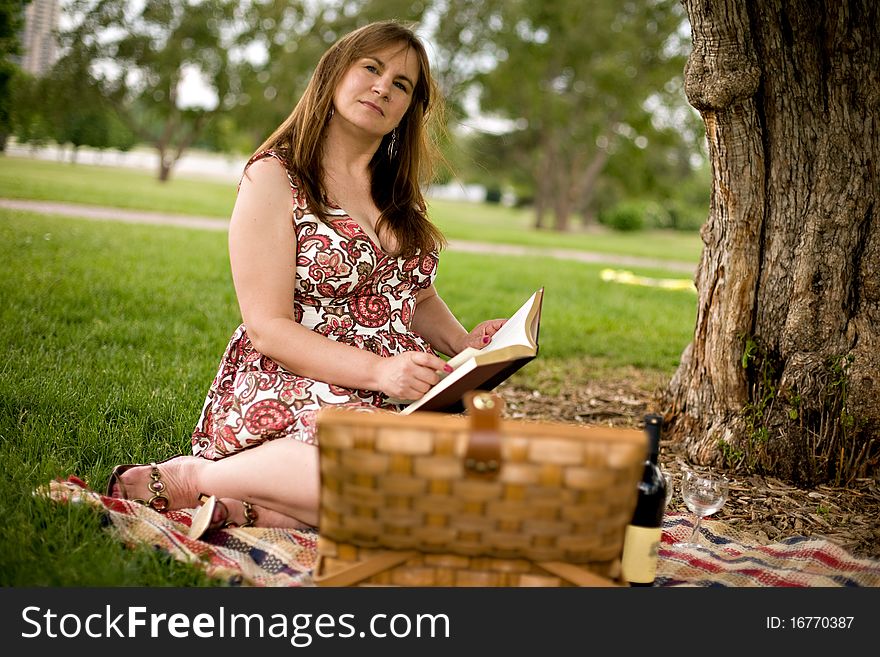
376	91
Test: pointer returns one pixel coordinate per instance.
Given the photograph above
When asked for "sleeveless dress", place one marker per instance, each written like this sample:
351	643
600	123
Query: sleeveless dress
348	290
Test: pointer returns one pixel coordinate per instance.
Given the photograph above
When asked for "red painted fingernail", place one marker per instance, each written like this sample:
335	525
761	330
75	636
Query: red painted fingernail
486	339
447	368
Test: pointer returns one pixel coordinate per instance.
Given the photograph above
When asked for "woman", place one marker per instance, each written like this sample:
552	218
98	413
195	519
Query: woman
329	214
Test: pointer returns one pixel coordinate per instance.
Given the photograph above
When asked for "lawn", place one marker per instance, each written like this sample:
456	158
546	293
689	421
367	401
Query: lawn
24	178
113	332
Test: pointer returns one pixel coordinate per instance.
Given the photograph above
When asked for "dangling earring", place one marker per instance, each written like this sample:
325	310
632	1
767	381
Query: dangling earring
392	145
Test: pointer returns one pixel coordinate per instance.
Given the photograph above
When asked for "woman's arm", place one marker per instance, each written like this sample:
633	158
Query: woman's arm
434	321
262	253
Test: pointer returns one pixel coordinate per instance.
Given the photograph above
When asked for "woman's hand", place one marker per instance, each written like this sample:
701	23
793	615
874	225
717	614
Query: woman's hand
482	333
410	375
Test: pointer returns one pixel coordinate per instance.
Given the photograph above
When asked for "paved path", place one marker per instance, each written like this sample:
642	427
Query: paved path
100	213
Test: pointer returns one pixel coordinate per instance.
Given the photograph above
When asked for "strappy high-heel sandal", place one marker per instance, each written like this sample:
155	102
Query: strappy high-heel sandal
159	500
203	520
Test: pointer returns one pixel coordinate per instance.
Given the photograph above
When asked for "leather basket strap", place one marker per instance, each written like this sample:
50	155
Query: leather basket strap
363	569
482	460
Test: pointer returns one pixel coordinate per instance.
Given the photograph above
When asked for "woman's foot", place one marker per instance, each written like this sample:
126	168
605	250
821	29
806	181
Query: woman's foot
260	515
228	512
163	486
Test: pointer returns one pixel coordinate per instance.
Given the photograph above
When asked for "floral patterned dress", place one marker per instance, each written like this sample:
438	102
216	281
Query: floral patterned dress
347	289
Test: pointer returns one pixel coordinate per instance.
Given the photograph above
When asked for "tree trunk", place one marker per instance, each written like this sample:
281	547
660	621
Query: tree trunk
543	163
562	190
538	213
782	374
554	178
165	167
585	188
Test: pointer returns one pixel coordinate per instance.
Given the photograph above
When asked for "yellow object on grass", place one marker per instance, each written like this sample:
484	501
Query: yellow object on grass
628	278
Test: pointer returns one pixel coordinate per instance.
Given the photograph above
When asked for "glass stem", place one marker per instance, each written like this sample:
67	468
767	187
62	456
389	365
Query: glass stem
695	533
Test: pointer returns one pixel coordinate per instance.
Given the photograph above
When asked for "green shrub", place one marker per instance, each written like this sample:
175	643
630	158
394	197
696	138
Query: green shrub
625	216
493	195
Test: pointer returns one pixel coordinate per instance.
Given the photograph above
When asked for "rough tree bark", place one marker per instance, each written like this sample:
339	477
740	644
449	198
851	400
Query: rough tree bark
783	373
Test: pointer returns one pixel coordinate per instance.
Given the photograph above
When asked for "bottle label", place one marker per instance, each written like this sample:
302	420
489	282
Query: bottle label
640	547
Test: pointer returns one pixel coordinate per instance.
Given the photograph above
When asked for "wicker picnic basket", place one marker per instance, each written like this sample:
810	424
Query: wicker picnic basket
431	499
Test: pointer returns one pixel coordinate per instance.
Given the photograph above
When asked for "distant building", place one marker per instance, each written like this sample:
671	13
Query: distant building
39	45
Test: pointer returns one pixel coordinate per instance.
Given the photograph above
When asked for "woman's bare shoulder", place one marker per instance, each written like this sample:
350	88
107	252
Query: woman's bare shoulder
267	169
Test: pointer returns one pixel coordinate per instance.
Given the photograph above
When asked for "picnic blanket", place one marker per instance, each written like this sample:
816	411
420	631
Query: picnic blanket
254	556
241	556
733	558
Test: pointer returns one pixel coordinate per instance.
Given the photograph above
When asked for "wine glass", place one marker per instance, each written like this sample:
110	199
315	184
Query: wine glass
669	489
704	494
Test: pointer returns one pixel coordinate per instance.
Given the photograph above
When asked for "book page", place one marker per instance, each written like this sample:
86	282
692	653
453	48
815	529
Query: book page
517	329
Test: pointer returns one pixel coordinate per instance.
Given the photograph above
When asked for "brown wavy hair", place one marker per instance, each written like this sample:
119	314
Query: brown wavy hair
395	182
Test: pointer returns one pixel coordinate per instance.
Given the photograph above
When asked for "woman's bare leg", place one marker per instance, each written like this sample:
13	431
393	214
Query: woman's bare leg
279	476
232	510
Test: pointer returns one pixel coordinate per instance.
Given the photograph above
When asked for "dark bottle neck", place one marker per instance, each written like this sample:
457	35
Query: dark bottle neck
653	428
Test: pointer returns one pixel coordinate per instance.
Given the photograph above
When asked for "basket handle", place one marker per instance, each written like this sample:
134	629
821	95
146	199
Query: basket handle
482	458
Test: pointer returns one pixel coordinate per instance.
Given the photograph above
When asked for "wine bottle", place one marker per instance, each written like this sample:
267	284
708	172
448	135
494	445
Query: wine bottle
642	539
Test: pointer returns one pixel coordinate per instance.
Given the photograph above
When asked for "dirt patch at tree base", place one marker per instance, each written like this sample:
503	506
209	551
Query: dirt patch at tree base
765	508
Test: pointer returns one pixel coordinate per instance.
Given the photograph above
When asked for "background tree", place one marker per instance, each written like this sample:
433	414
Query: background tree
11	22
141	52
576	77
27	117
782	373
464	46
90	121
287	39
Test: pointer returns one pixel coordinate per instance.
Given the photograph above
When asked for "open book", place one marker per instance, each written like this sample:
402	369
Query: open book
514	345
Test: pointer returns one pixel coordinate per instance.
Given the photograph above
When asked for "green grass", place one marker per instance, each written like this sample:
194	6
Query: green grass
132	189
112	333
108	335
502	225
24	178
